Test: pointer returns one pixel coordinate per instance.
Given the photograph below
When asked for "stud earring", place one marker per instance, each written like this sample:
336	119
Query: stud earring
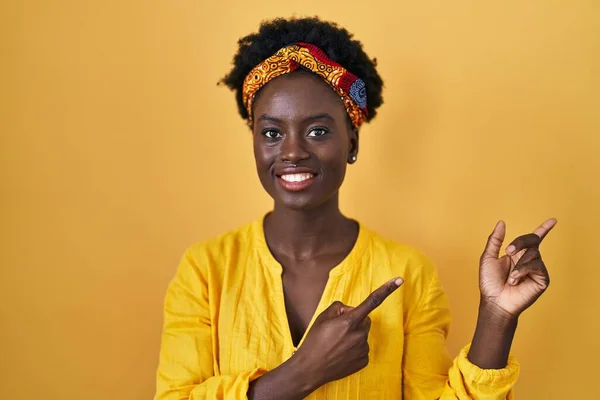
353	158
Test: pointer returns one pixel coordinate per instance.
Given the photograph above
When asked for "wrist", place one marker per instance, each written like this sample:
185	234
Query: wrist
493	336
303	377
492	315
290	380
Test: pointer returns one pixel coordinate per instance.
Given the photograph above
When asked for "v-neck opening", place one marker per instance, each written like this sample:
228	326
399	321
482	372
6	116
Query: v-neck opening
268	259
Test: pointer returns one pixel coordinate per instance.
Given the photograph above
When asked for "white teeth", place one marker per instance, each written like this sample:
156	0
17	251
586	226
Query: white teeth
296	177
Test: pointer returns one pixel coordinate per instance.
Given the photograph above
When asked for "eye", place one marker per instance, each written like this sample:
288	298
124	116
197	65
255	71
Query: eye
317	132
271	134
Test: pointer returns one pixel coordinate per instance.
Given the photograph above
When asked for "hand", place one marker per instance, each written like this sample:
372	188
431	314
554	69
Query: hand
513	282
336	345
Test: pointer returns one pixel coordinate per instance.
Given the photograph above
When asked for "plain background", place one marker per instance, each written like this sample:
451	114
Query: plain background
118	150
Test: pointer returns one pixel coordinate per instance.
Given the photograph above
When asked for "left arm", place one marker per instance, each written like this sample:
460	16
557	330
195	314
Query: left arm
428	371
509	285
483	369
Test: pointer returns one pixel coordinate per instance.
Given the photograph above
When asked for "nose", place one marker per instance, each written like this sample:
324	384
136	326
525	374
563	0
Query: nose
293	149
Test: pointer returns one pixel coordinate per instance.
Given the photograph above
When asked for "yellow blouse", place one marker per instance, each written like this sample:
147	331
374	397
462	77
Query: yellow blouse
226	325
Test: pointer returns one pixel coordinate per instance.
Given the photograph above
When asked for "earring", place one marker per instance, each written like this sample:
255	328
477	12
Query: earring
352	158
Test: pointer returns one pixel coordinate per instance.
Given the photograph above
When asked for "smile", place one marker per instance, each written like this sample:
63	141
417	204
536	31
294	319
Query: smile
296	182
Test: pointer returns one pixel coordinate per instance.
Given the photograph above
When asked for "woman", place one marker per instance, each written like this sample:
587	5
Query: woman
306	302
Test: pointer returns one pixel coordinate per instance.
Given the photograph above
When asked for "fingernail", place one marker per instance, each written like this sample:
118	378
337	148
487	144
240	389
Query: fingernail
510	249
514	274
512	281
399	281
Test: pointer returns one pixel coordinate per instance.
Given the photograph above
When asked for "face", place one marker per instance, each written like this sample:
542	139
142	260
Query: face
303	140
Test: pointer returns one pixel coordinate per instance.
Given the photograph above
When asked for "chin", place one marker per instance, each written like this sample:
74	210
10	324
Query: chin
300	201
298	205
304	200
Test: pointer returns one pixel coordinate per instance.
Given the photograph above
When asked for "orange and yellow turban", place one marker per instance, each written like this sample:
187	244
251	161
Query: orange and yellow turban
348	86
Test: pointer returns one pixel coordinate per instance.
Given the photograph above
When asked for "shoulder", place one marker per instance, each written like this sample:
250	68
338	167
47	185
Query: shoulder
225	249
422	287
206	263
224	244
393	258
401	255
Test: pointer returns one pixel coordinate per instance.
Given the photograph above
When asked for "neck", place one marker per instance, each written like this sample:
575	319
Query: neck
304	234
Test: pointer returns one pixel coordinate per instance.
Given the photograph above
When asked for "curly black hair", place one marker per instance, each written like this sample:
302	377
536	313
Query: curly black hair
336	41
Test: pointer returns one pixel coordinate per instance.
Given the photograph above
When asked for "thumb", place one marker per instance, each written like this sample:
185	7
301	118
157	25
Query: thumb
345	309
336	309
494	242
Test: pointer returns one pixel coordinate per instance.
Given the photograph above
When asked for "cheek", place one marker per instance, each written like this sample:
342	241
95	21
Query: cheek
264	157
335	165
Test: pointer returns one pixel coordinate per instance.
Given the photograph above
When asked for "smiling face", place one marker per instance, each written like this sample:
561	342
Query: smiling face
303	140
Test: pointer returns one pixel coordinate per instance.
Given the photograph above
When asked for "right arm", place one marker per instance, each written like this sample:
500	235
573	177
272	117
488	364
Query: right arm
288	381
186	368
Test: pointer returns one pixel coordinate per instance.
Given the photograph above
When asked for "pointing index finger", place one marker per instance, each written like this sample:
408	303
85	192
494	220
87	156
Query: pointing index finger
531	239
374	300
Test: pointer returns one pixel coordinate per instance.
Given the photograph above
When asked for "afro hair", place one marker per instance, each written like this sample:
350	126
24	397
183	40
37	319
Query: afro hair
336	41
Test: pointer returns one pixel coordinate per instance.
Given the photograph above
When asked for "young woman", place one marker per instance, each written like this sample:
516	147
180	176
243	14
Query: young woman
306	302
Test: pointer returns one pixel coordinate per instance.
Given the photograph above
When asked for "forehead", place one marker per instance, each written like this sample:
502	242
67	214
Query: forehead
298	95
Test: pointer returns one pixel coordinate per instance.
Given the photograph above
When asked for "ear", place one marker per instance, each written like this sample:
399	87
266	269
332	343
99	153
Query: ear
353	145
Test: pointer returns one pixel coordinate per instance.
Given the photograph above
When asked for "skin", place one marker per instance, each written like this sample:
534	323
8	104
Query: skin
306	232
300	121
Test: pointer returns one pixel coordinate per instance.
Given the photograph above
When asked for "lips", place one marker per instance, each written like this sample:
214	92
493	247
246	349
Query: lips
296	181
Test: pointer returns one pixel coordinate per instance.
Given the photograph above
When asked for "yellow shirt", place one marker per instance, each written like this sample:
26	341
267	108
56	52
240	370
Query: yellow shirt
226	325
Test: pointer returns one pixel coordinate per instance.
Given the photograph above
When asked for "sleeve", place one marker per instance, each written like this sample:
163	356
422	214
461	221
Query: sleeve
186	367
428	372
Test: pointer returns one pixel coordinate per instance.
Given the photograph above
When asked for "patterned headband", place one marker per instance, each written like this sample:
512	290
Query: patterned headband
348	86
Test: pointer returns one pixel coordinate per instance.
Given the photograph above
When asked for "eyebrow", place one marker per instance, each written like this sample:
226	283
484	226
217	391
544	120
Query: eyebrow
267	117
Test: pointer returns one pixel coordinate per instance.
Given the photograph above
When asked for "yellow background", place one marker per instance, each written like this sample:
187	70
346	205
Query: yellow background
118	150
